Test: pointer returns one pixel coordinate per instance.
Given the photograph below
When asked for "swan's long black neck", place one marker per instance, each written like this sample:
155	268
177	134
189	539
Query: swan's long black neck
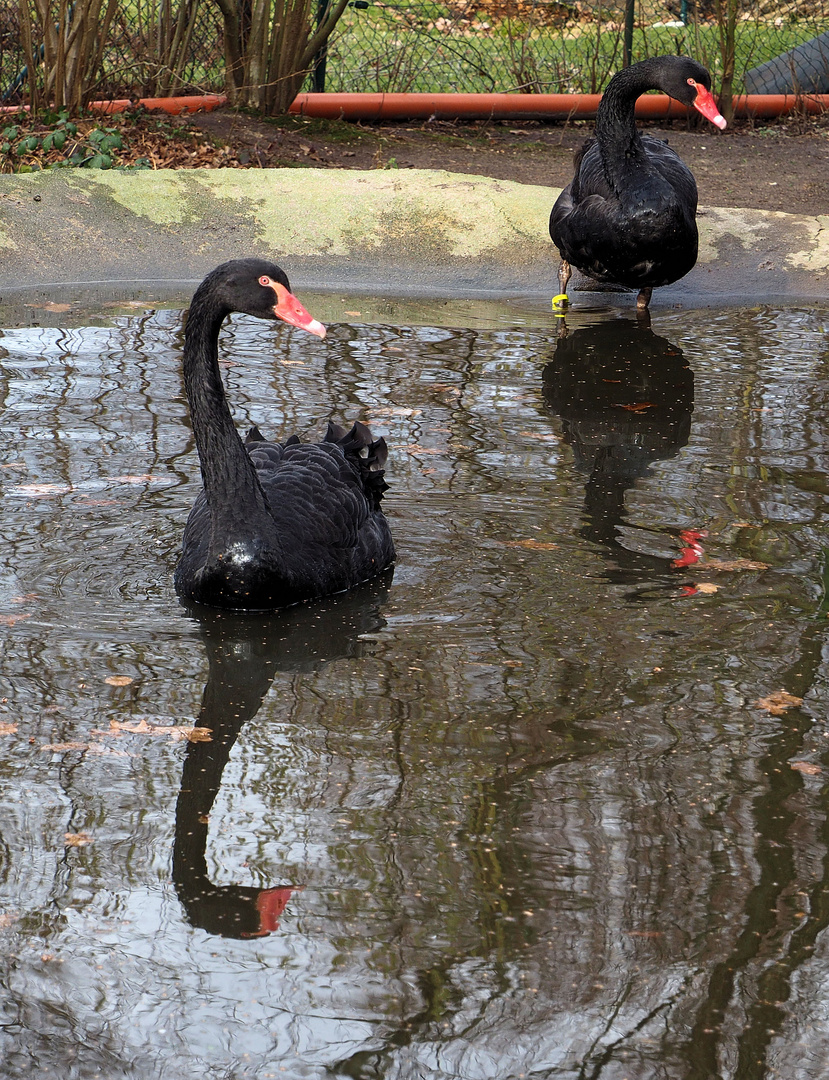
228	474
619	142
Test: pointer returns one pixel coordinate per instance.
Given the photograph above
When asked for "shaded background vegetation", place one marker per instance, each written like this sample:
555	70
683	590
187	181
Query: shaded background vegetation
261	52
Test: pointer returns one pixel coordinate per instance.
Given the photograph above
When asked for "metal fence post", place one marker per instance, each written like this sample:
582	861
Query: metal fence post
321	58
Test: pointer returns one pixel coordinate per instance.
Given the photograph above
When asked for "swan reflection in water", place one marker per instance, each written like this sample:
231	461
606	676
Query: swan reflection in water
244	654
625	397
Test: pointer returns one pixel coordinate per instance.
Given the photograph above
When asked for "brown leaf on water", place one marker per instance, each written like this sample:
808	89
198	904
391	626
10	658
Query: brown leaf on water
353	314
530	545
50	306
77	839
10	620
118	680
806	767
8	729
178	734
707	587
778	702
198	734
735	564
638	407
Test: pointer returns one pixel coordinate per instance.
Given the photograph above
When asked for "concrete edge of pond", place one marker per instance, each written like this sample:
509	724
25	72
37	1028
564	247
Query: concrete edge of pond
404	232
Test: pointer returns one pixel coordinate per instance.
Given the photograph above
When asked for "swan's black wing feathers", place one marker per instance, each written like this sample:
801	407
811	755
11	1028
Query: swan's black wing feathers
326	531
642	235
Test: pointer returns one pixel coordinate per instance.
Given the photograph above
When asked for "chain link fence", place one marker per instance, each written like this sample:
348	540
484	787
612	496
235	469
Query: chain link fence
531	46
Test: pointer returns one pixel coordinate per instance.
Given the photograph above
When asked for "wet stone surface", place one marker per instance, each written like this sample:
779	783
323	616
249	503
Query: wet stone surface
531	805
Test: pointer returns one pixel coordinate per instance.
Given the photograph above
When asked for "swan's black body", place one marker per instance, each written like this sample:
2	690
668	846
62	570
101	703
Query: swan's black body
629	214
277	523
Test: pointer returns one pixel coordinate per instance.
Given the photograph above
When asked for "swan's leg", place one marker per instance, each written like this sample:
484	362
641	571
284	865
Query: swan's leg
564	274
644	298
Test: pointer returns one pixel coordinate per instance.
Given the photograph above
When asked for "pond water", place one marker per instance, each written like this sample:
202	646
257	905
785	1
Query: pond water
531	806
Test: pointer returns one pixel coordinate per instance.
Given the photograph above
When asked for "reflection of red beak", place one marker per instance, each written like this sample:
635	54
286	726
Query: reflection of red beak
705	104
289	309
270	903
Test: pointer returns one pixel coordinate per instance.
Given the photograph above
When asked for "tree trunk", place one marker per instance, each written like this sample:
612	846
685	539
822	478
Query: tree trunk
270	46
726	12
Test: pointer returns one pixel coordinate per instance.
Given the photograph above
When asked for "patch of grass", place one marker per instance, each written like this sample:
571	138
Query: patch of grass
336	131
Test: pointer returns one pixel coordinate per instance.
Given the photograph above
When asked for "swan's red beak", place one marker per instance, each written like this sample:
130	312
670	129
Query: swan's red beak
289	309
705	104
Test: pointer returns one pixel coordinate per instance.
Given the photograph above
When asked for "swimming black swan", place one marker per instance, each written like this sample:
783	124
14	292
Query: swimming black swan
628	215
276	523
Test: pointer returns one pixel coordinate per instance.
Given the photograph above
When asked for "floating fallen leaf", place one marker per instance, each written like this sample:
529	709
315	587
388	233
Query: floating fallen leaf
8	729
353	314
639	407
735	564
50	306
778	702
806	767
179	734
291	363
531	545
707	587
10	620
118	680
77	839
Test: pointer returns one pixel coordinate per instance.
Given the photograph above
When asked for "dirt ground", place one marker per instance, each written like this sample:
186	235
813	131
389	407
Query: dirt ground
778	166
782	166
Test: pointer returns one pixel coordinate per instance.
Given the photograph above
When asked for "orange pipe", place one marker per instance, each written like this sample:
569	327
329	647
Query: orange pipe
528	106
175	105
473	106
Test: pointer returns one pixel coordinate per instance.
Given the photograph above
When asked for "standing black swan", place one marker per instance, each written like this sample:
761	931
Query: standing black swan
276	523
628	215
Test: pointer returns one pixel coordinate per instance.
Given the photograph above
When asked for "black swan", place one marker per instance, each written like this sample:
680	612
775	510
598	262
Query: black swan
276	523
628	215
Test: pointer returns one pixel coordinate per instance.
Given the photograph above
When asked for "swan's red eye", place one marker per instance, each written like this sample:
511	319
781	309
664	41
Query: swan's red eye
264	280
